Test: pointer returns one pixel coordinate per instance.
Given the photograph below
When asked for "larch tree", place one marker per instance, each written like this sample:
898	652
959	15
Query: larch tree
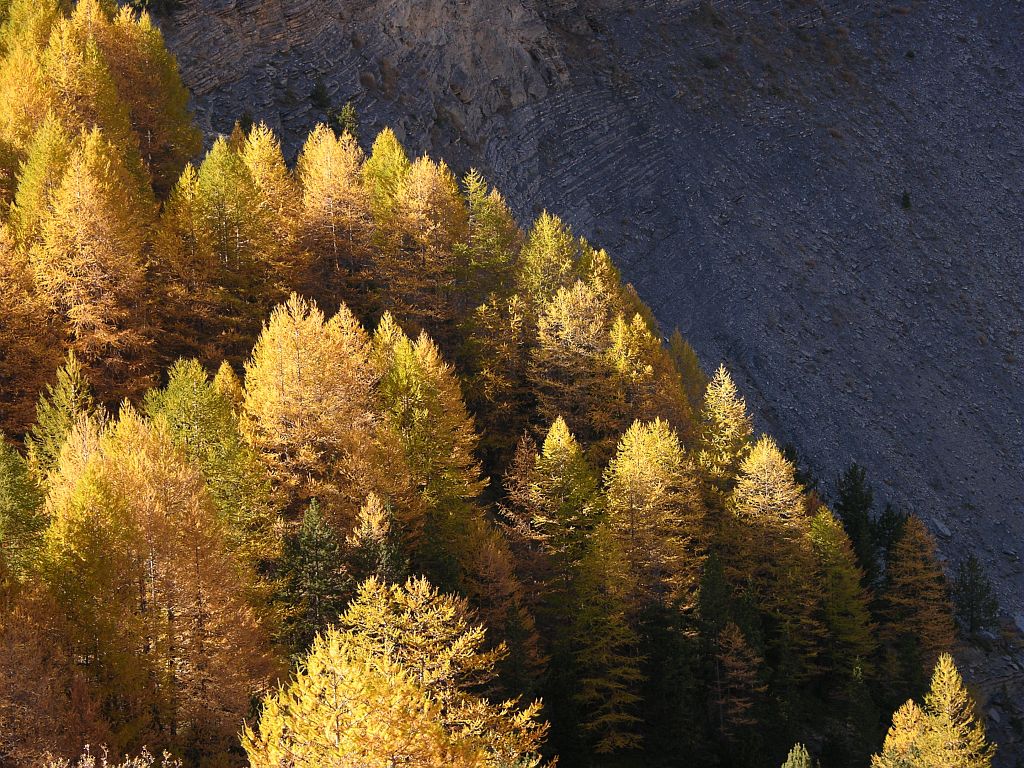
146	76
188	273
375	548
738	685
22	520
487	263
423	404
137	561
202	421
851	642
82	89
695	381
799	757
653	511
347	705
724	432
771	558
46	159
30	339
570	370
24	94
649	385
277	201
334	220
90	263
607	661
308	407
917	623
433	636
417	274
945	733
63	404
497	351
238	230
547	261
383	174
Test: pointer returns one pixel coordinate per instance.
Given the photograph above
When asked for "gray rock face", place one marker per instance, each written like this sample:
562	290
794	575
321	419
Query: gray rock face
825	195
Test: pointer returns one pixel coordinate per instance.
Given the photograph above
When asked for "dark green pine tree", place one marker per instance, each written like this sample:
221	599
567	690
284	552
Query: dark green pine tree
59	407
854	504
973	597
315	581
887	529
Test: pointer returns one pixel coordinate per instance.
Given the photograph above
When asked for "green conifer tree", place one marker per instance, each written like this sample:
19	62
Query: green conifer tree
854	507
22	520
64	402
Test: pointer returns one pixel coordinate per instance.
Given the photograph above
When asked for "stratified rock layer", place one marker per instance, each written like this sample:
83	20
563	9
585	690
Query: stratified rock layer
825	195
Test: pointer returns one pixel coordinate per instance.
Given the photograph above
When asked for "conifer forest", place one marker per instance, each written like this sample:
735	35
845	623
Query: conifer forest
337	463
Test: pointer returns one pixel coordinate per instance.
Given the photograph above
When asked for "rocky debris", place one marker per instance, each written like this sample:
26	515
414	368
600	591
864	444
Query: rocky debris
825	195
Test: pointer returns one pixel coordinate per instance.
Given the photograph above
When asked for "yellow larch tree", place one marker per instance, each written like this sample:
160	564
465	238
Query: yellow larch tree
654	513
90	263
309	405
334	220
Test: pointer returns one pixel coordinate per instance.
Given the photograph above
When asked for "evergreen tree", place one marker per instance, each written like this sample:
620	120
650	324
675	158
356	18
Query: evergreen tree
854	506
976	604
724	432
315	582
59	408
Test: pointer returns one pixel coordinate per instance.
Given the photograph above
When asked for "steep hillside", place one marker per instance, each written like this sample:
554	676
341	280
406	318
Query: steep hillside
823	194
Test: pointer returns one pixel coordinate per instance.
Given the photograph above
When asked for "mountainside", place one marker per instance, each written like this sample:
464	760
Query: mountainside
824	195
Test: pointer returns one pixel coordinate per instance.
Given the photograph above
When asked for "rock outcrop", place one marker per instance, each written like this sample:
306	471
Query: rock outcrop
824	194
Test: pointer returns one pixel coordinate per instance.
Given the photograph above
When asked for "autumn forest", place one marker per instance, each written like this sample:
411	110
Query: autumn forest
333	463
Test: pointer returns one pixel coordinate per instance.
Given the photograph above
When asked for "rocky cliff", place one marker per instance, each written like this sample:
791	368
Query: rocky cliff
824	194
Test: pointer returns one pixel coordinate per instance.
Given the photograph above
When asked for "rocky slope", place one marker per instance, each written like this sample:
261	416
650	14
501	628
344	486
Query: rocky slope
824	194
